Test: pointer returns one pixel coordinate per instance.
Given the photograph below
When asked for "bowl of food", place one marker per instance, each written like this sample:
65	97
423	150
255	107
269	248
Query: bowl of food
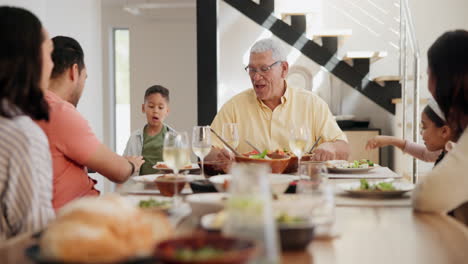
278	182
293	164
168	183
216	167
295	232
206	249
277	162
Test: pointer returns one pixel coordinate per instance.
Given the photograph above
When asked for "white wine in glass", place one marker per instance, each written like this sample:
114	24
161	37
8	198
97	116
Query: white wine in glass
230	134
299	139
201	143
176	155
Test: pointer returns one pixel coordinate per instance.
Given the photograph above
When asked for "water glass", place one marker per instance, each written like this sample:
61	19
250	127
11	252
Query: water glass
230	134
250	212
315	186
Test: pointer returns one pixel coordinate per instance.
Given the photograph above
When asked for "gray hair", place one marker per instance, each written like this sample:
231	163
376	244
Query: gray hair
264	45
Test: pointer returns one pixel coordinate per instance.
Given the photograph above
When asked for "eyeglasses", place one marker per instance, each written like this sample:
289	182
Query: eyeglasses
264	69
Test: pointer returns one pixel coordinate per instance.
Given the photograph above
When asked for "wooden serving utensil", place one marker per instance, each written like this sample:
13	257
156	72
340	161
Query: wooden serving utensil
225	143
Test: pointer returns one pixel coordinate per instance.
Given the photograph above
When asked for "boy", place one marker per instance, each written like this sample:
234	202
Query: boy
148	141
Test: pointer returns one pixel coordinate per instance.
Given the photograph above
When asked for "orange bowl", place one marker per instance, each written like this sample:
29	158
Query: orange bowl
277	163
292	166
167	184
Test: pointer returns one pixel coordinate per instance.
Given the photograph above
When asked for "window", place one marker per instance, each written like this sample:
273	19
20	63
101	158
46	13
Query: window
121	88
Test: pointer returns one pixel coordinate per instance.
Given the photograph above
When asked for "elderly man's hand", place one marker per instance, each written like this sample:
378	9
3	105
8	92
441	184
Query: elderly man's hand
217	154
324	152
331	150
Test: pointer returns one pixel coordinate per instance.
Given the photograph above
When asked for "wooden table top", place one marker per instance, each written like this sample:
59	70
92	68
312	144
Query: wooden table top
366	234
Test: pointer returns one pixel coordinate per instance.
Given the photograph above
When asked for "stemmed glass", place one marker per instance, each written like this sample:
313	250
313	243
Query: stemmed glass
176	155
230	133
299	138
201	143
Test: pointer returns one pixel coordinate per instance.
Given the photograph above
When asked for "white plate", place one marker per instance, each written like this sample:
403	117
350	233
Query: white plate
135	200
334	166
150	178
278	182
353	189
205	203
194	167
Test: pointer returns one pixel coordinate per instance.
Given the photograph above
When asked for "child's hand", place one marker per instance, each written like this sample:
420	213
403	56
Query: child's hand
377	142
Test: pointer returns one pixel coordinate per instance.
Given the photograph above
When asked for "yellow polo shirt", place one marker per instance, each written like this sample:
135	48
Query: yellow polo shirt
270	130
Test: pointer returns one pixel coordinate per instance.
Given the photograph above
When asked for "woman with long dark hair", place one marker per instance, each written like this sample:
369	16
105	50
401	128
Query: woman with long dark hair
445	188
25	162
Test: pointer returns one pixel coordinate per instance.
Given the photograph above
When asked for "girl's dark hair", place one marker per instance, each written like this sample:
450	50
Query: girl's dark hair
433	116
67	51
448	65
163	91
21	64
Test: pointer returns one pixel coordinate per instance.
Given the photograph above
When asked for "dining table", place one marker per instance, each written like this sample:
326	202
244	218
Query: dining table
366	230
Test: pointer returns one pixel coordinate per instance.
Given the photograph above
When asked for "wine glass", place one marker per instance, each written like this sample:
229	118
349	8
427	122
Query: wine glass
299	138
176	155
230	134
201	143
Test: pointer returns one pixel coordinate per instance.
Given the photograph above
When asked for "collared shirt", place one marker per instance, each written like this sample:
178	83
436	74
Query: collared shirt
72	142
25	177
268	129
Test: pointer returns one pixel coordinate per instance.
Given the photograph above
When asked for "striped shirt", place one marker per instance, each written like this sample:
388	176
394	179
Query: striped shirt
25	177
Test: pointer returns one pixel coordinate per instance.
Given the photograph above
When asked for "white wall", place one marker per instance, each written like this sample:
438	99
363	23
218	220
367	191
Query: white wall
163	50
61	17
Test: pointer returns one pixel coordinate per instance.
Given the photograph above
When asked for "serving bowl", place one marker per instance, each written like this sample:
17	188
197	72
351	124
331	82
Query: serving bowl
205	249
277	162
216	167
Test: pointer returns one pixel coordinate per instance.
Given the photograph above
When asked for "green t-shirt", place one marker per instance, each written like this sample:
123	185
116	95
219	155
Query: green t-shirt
152	150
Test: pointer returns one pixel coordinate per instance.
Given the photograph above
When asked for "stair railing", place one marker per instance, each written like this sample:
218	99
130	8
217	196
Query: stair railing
408	35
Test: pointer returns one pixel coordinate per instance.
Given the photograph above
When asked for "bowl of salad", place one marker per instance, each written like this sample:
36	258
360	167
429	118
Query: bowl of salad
377	189
205	248
277	161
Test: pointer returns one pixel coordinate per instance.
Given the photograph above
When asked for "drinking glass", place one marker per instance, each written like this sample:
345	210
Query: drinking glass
250	212
176	155
299	140
230	134
201	143
314	184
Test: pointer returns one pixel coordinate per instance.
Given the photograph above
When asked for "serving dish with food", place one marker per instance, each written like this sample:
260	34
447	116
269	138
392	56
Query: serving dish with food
295	232
162	167
379	189
343	166
276	161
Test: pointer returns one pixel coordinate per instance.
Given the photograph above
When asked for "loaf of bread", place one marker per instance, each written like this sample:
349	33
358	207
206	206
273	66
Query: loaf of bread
103	229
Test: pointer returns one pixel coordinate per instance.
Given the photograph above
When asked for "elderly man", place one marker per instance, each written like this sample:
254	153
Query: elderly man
73	145
266	114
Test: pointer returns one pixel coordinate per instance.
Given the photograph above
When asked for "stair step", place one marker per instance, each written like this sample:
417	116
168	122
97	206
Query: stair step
373	56
339	33
285	15
391	78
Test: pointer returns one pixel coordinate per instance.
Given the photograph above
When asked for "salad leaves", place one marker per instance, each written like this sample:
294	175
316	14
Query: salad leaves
381	186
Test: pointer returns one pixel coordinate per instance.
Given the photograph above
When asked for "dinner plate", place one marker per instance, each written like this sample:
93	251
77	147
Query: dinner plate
353	189
150	178
194	167
349	170
34	253
136	199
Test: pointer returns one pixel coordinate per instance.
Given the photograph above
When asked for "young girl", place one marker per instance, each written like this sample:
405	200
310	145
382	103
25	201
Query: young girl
434	131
